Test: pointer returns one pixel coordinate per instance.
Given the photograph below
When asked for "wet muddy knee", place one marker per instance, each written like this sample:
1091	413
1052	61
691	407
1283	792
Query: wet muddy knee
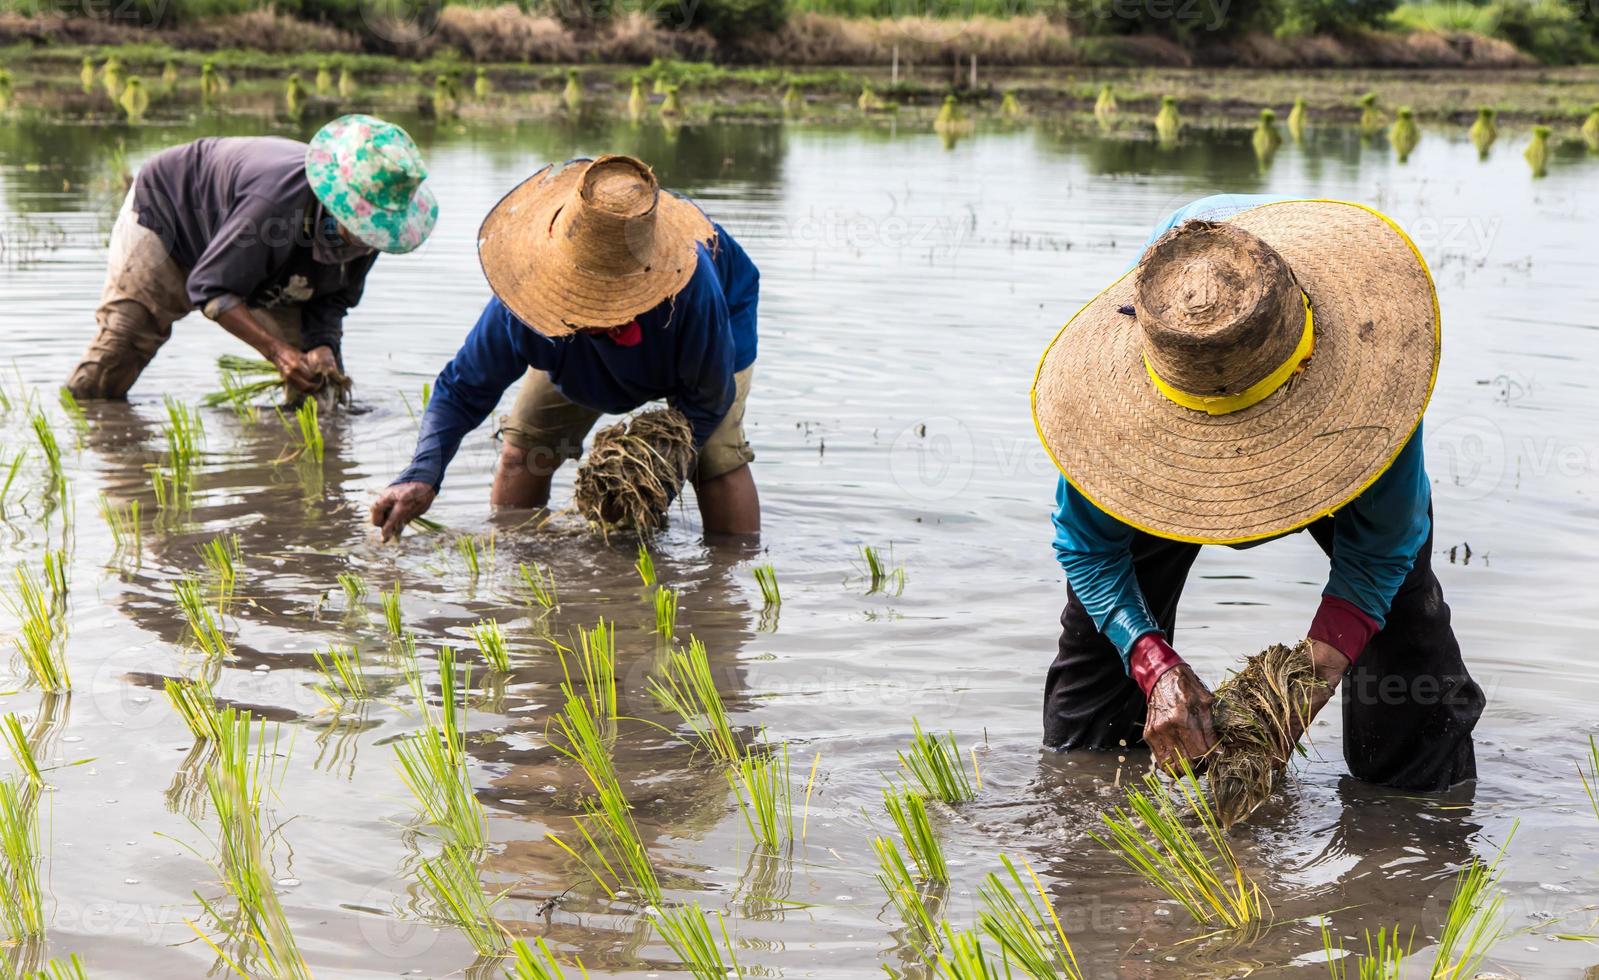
126	342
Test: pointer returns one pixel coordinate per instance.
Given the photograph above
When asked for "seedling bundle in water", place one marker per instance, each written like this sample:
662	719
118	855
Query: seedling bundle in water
1257	715
634	471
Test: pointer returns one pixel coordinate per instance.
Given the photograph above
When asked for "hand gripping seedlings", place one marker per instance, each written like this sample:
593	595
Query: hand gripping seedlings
1257	718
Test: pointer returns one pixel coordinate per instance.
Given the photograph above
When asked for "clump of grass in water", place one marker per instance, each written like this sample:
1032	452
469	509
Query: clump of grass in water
793	101
490	640
1266	139
294	96
672	105
1590	130
1168	123
222	557
1298	116
766	578
135	101
1201	873
762	782
1009	105
688	690
1537	152
1381	961
482	87
645	565
526	964
665	612
908	809
883	578
127	534
342	677
113	78
451	878
55	474
308	431
433	762
21	898
40	609
354	586
540	584
205	624
195	703
937	767
1404	134
347	83
324	78
86	73
211	84
1484	131
634	470
1105	106
909	898
870	101
950	119
1026	930
572	95
1257	715
391	612
445	97
1371	117
687	929
236	785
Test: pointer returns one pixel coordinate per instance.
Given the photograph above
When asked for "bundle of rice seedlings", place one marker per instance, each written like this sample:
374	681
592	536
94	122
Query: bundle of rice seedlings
1472	923
634	470
75	414
766	578
937	767
113	78
482	86
1590	130
884	576
490	640
636	100
528	964
1537	152
342	679
687	689
169	74
466	547
294	96
540	584
211	84
222	556
687	929
123	523
1257	716
243	381
451	879
354	586
1168	123
672	105
793	101
6	91
236	785
391	612
1026	930
645	565
665	612
1201	873
135	100
918	905
41	640
1483	132
308	431
324	78
572	95
1266	139
1009	106
596	662
1404	134
21	897
86	73
951	121
1105	106
185	438
963	959
205	624
195	703
870	101
347	83
908	810
765	793
433	762
1371	117
1298	116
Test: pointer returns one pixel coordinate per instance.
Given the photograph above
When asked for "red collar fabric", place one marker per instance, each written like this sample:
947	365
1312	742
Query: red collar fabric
629	335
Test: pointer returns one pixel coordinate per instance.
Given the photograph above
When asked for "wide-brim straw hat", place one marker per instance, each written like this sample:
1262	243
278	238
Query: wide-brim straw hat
368	174
590	244
1248	377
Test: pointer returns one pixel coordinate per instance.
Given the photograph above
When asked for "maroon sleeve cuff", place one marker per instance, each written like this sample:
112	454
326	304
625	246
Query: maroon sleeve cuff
1342	625
1149	660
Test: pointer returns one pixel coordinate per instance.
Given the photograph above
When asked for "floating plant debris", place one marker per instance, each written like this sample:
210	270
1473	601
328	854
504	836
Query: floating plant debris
1257	717
634	471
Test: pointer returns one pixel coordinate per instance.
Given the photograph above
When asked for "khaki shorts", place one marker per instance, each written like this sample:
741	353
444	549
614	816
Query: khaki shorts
542	420
145	293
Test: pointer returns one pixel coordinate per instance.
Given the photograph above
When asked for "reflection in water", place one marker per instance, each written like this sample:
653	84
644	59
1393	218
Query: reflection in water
905	302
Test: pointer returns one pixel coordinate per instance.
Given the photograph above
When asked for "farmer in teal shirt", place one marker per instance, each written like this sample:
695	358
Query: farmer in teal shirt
1262	370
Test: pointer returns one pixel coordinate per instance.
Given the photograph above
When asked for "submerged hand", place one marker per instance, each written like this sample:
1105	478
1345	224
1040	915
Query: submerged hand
1178	726
296	369
399	505
321	362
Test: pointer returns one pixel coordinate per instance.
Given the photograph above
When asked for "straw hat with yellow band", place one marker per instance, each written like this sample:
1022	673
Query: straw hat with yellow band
590	244
1248	377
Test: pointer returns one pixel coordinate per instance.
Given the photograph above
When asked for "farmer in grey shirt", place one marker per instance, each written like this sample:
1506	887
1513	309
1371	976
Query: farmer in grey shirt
271	238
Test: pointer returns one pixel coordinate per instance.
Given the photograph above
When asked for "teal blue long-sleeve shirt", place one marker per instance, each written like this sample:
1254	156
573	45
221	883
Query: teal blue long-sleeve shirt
1375	536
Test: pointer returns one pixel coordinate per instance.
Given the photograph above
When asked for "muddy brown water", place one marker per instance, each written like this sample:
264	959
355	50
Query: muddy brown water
907	292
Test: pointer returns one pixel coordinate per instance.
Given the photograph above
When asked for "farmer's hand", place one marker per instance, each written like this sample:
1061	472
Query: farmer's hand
399	505
1177	723
1330	668
296	369
321	362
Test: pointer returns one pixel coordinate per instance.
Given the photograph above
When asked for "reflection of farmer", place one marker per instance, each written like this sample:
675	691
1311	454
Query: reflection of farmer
1263	370
609	294
268	237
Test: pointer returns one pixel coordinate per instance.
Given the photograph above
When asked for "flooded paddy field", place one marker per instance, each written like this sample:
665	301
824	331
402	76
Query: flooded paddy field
909	284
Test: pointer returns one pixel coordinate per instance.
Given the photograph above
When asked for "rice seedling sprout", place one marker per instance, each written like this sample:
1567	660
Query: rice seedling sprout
342	677
124	525
536	962
645	565
937	767
309	430
490	641
42	628
391	612
21	897
21	752
906	895
665	612
962	958
1025	928
766	578
354	586
451	878
687	689
908	810
540	584
58	969
596	661
195	703
1382	959
1590	775
687	929
222	557
55	474
11	477
466	545
1472	923
765	792
205	623
433	762
883	575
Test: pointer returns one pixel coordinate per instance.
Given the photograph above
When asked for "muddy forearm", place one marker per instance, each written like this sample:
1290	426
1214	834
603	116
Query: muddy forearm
238	321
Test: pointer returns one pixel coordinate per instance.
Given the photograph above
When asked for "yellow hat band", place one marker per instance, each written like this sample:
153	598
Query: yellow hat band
1255	393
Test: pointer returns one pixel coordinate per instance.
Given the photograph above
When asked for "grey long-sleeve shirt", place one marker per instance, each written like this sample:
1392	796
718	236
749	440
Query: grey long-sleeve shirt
238	214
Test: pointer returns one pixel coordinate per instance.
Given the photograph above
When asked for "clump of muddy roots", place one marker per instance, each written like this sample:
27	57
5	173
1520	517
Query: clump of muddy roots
1257	716
634	471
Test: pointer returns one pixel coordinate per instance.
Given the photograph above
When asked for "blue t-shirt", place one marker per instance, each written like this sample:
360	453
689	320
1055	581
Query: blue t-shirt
1375	536
689	347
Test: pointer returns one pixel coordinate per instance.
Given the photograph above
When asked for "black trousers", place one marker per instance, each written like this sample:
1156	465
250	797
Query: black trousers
1409	704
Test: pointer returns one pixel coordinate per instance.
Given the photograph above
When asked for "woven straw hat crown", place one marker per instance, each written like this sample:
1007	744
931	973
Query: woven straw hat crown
1218	309
609	222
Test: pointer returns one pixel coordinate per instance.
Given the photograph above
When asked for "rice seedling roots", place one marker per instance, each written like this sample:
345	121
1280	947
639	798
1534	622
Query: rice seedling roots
635	470
1257	719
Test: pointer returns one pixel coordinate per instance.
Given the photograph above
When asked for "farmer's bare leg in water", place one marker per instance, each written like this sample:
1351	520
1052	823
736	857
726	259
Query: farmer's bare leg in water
522	482
729	503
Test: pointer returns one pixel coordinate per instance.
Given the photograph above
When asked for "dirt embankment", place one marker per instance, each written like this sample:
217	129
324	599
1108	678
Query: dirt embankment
507	34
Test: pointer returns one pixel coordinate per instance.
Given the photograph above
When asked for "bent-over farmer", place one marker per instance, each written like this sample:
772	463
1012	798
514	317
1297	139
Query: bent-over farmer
269	237
1263	370
608	293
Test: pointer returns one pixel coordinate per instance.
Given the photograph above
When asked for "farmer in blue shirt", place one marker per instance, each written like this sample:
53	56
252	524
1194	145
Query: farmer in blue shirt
609	293
1262	370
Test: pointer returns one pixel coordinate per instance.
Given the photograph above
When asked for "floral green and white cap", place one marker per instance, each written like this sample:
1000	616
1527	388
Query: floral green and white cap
368	174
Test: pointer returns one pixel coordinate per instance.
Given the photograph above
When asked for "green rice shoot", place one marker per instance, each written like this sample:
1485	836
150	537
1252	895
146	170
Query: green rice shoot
962	958
308	431
433	762
885	577
540	584
12	470
41	639
908	809
1025	927
1590	775
687	929
21	895
205	623
687	689
185	438
196	704
937	767
451	879
537	962
74	414
1381	961
59	969
765	790
342	679
127	534
1198	871
665	612
391	612
490	641
918	906
645	565
355	588
596	662
766	578
21	751
1473	923
222	558
55	474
